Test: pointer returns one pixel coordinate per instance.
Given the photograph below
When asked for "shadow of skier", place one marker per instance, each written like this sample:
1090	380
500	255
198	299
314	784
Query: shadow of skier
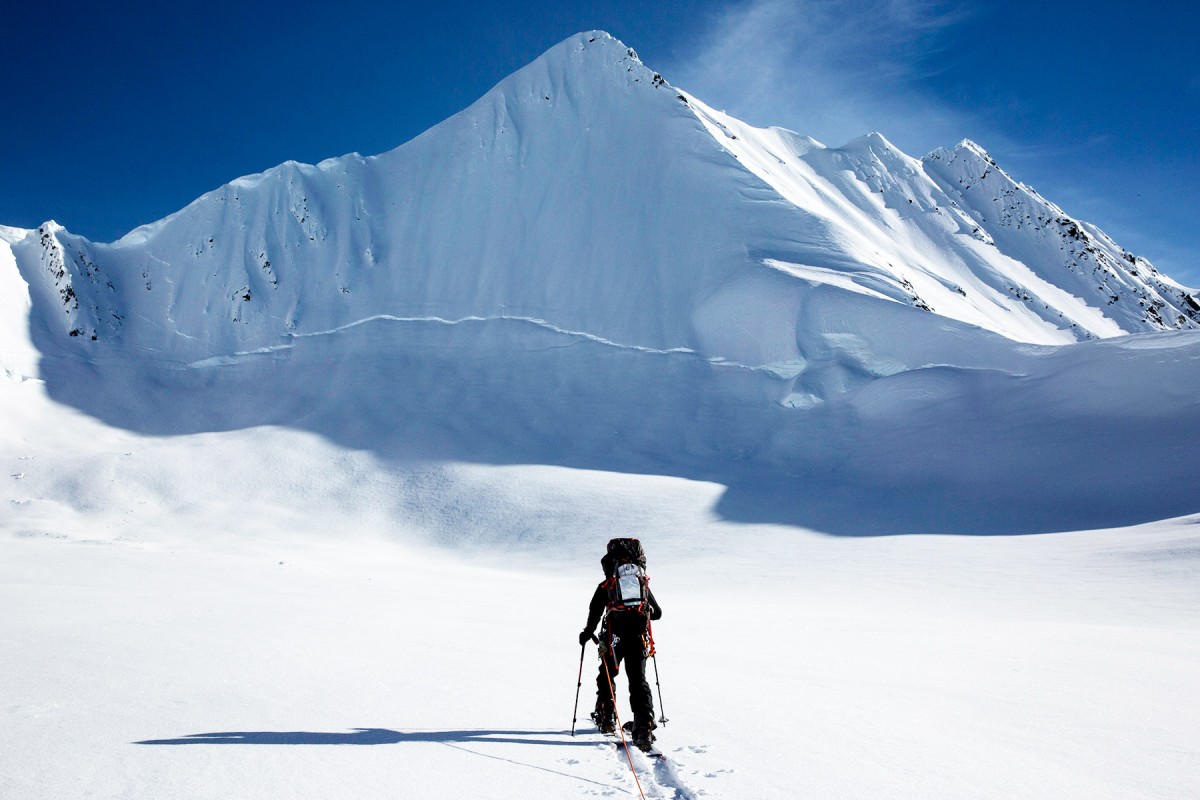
376	736
457	739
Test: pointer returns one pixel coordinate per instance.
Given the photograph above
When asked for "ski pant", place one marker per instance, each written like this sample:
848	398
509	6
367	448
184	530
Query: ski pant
630	649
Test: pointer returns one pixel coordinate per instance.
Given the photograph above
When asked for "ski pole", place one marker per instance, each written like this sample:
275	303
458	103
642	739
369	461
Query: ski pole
662	714
578	686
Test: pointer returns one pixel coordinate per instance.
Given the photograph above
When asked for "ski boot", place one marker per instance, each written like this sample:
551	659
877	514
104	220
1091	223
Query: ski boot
643	739
605	721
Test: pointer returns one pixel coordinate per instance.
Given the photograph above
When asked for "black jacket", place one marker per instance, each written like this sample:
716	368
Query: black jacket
600	601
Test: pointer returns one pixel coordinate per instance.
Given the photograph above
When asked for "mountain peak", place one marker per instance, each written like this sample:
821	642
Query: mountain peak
576	63
971	146
596	42
874	139
587	51
877	145
966	149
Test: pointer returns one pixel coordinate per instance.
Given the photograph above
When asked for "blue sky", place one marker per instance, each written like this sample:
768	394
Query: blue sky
118	114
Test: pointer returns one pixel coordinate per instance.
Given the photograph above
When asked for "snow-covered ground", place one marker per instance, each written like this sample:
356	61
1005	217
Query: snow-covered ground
226	615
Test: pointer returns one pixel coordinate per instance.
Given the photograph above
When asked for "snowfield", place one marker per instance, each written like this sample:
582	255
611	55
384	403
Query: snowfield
303	489
224	615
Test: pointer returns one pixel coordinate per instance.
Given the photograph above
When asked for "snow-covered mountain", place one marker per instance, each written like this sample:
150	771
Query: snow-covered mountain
586	193
590	267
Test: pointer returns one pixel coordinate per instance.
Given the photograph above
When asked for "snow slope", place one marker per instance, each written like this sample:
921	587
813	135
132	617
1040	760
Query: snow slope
264	613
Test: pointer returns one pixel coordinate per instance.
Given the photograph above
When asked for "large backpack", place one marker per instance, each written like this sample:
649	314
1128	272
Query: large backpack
625	572
622	551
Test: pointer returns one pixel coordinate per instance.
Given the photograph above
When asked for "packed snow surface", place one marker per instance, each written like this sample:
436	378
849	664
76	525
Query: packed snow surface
265	614
305	486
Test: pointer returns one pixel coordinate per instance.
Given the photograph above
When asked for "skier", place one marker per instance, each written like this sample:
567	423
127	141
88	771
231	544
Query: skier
627	605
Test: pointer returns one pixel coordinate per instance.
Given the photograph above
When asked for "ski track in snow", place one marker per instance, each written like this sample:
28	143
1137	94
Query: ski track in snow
234	358
667	777
650	787
659	777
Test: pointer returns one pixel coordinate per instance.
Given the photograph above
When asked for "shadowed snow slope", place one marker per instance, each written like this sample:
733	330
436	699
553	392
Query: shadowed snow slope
591	268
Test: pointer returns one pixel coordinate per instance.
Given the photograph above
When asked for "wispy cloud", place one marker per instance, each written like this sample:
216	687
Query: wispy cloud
832	69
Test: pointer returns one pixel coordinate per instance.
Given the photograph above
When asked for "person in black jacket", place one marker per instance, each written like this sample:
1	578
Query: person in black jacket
624	636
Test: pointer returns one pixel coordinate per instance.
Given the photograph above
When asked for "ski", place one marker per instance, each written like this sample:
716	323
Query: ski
653	752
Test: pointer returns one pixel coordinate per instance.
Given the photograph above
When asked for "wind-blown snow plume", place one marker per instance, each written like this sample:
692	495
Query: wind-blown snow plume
840	68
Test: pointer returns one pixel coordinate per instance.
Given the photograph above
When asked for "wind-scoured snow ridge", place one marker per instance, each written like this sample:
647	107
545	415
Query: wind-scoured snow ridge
934	244
1080	259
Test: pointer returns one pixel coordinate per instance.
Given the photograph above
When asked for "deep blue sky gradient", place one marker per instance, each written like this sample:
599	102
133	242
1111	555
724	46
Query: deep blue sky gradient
114	115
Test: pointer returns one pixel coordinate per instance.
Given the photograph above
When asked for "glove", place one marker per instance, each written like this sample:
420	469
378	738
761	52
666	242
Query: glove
584	637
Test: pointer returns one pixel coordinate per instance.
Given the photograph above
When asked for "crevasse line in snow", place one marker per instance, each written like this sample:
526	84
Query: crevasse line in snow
716	360
499	317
